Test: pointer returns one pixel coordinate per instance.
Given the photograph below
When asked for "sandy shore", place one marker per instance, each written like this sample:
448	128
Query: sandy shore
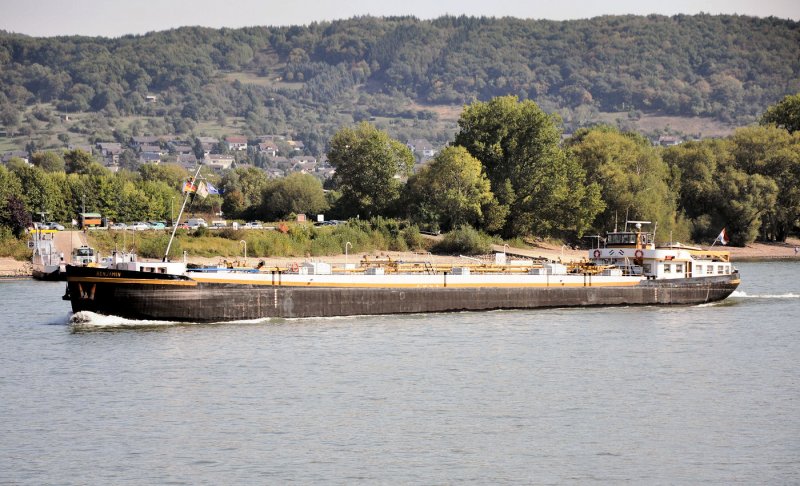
754	252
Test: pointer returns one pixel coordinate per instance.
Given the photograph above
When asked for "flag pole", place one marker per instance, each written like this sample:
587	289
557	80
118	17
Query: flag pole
180	213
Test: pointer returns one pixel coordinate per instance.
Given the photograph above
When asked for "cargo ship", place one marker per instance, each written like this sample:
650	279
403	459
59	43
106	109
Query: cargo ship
627	269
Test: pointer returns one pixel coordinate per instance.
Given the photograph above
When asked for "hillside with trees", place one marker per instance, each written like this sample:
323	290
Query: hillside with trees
514	159
397	72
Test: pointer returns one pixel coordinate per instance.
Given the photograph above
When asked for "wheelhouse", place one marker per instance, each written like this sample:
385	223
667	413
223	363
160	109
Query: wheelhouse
634	252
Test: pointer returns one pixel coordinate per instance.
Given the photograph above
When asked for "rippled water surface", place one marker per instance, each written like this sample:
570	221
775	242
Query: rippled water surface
651	395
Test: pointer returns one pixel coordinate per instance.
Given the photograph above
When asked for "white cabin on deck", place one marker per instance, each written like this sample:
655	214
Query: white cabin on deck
636	254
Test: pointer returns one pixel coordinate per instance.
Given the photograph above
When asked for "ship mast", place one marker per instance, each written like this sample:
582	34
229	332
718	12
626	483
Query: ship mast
180	213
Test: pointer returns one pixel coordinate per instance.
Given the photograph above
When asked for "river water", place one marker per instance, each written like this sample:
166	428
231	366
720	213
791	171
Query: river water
650	395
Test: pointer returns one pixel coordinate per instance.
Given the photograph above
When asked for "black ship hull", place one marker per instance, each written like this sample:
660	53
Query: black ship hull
140	295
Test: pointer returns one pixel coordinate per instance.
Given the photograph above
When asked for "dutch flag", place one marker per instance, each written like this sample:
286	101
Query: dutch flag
723	237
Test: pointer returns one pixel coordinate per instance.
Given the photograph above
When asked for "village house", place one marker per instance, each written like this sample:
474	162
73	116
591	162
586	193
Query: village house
156	149
268	148
235	142
296	145
187	161
150	158
219	162
303	164
181	148
110	151
668	141
422	148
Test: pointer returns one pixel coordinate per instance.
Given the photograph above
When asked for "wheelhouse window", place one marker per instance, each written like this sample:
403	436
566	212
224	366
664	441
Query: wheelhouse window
679	268
721	269
710	270
622	239
667	268
699	269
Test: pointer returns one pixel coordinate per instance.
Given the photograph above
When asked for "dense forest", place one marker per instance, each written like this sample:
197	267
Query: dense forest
310	80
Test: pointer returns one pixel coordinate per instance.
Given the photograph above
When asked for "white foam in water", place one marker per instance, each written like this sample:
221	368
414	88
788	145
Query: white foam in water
744	295
85	320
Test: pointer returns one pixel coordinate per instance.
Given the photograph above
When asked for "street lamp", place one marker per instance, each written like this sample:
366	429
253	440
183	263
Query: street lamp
346	245
243	242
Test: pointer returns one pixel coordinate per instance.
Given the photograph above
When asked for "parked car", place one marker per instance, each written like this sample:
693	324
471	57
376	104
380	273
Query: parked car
195	223
118	226
52	225
157	225
253	225
139	226
183	226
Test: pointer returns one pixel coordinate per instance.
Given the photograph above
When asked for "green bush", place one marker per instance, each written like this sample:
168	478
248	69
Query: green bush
231	234
12	247
464	240
413	238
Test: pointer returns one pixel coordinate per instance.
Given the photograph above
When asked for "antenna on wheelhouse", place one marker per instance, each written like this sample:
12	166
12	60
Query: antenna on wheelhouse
180	213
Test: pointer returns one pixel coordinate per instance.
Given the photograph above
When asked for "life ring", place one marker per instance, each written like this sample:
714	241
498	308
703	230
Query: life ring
597	253
639	253
294	267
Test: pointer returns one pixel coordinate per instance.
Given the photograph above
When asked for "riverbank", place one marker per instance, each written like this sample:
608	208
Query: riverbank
10	268
754	252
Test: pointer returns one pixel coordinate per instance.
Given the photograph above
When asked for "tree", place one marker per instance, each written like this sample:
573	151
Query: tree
78	161
785	114
295	194
519	147
775	154
15	217
451	191
49	161
716	192
243	188
10	187
634	179
369	166
41	193
9	117
171	174
128	160
742	200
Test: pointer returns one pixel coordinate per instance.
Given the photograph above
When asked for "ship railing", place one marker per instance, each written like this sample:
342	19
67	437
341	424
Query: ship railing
713	255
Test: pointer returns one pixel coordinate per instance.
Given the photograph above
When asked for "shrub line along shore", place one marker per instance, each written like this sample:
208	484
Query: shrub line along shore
750	253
